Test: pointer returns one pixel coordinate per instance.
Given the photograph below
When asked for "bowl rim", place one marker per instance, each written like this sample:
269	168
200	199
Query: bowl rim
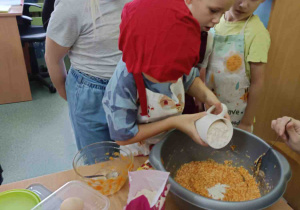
210	203
110	144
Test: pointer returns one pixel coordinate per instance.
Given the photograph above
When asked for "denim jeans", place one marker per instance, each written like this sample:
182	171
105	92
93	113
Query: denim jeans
84	95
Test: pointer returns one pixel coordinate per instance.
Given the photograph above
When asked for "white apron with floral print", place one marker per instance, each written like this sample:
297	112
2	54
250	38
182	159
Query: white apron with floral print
159	107
226	75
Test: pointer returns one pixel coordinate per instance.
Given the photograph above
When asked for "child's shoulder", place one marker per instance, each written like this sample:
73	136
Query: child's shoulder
256	26
121	73
67	3
122	79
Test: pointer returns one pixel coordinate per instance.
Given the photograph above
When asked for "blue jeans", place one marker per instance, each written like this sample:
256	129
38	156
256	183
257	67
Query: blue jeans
84	95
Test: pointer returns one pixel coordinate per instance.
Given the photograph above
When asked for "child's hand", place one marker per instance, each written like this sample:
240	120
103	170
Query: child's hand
186	124
218	109
245	127
211	100
227	116
290	132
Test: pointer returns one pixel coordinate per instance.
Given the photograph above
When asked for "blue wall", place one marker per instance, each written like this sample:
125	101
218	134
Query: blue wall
263	11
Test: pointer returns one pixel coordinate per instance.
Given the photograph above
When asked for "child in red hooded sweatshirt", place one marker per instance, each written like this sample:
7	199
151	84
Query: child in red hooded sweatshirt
160	41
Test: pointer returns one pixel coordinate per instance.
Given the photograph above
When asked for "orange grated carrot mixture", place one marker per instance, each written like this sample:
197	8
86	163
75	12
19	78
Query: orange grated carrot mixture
198	176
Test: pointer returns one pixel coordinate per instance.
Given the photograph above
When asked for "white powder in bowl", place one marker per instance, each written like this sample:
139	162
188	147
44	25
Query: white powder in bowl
218	134
217	192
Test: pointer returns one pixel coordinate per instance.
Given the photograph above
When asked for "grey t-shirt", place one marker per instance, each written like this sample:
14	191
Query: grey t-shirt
93	52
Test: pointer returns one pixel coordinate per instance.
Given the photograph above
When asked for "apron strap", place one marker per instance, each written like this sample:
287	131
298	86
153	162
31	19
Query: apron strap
243	29
139	81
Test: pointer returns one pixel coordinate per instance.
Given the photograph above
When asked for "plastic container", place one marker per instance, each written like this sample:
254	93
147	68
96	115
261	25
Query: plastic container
222	136
104	166
40	190
92	199
18	199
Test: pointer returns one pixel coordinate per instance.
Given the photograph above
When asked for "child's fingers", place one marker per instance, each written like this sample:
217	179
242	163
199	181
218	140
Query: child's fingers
198	140
280	126
282	132
284	137
284	124
273	124
291	130
287	126
203	143
276	127
194	134
227	116
218	108
290	125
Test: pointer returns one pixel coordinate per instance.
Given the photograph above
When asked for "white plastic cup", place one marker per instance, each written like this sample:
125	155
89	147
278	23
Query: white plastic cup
203	125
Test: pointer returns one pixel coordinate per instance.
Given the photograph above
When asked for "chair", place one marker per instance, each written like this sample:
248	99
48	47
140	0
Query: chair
47	10
30	34
1	178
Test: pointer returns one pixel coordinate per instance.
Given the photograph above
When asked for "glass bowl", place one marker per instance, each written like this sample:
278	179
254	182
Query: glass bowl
104	166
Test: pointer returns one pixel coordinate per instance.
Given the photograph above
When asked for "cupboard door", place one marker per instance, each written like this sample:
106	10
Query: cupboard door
282	84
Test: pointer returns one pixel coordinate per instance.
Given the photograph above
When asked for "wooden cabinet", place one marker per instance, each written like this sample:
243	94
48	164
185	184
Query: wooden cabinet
14	84
282	84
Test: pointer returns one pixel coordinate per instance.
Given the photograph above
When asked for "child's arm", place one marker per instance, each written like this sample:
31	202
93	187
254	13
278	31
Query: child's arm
199	90
54	57
184	123
121	108
255	90
202	74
